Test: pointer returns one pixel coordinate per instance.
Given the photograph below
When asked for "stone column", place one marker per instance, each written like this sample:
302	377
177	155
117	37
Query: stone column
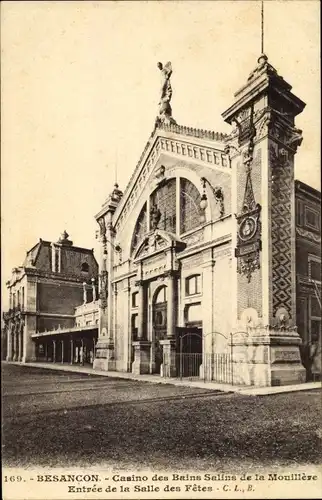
20	335
16	334
94	345
94	289
71	351
9	345
105	356
62	351
141	311
207	307
142	347
168	367
54	351
127	338
82	352
84	293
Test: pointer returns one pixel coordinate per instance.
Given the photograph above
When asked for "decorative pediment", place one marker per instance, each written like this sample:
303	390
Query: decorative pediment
157	241
205	147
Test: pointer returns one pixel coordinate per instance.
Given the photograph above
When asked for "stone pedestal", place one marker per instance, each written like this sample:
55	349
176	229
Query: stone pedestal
169	365
267	357
141	363
104	356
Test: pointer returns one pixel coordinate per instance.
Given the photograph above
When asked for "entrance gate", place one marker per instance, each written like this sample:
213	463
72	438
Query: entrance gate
193	363
159	321
188	352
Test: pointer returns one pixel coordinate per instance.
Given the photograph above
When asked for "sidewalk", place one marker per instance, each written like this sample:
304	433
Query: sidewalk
156	379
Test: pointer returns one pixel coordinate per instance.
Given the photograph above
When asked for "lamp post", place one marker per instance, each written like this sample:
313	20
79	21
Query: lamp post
218	194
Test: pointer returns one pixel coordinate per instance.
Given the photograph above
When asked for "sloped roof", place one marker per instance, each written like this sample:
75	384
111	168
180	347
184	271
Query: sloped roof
33	253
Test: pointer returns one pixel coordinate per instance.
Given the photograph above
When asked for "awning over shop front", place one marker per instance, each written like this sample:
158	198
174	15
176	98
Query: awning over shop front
63	331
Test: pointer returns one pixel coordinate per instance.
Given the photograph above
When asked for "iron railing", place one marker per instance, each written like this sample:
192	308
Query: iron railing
215	367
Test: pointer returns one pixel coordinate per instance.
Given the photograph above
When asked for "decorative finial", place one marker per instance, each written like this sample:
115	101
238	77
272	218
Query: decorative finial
63	240
262	26
165	110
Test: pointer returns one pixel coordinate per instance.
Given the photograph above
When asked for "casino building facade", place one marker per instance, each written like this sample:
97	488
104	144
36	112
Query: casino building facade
198	255
210	261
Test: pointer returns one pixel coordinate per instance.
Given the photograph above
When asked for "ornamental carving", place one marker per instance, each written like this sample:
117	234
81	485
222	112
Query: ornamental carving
155	216
245	126
165	110
249	245
103	289
102	226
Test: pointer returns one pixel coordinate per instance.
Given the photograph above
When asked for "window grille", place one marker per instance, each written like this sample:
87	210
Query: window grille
140	228
164	198
190	210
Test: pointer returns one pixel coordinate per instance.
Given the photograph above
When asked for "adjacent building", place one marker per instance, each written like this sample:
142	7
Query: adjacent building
308	261
54	279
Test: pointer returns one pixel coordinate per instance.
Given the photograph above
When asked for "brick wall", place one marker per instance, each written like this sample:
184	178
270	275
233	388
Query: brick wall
249	294
72	260
59	298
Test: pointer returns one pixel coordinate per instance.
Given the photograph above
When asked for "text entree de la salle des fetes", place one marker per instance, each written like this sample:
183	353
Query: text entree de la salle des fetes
171	483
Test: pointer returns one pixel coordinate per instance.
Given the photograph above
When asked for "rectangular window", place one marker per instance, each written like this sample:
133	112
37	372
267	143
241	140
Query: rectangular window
298	213
315	307
315	330
193	285
134	326
315	271
56	261
135	297
194	313
314	268
312	218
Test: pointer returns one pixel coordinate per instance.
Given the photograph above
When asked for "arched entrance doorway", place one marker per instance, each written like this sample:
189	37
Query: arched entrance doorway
159	324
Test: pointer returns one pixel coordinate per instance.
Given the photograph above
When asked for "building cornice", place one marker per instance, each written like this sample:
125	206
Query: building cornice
307	191
204	246
309	236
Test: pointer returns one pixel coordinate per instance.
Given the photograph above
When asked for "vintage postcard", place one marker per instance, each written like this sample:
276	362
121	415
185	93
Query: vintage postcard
161	257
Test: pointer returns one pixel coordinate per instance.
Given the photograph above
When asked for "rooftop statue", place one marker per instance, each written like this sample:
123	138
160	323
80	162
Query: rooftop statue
165	110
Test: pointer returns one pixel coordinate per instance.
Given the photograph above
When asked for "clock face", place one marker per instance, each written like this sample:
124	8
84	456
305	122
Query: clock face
247	228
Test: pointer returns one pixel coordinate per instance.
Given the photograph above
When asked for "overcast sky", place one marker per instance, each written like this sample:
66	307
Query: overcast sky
80	88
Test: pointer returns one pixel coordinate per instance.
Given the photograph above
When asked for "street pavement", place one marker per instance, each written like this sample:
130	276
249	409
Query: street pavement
55	418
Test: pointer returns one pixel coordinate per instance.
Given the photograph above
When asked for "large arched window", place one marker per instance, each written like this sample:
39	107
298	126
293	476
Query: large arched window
163	209
164	199
140	228
190	211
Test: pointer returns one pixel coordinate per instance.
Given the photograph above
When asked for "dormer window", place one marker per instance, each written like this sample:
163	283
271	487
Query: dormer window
85	267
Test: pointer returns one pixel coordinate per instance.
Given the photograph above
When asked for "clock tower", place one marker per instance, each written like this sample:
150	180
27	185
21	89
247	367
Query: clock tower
261	149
